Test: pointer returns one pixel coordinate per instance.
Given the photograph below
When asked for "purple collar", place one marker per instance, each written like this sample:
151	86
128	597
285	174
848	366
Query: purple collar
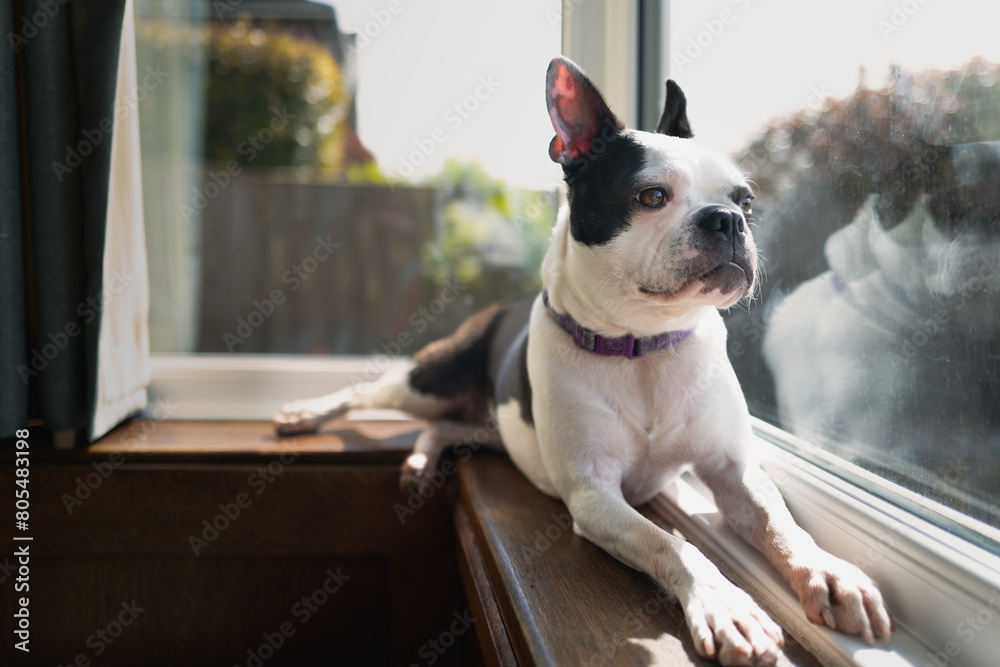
622	346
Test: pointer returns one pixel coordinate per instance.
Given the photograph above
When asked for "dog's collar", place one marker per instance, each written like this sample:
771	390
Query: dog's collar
606	346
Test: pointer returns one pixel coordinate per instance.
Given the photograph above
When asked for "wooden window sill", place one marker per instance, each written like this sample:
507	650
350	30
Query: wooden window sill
541	595
560	599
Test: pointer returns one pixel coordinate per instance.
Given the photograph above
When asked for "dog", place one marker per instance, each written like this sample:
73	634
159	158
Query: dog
615	378
910	306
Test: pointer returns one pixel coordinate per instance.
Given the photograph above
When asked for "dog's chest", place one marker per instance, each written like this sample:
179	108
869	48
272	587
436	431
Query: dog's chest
642	408
628	420
651	403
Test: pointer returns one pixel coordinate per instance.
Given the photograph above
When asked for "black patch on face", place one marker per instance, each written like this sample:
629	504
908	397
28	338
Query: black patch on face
601	188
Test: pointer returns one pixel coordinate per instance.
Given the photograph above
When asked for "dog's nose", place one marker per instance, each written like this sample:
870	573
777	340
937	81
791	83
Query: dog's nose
723	221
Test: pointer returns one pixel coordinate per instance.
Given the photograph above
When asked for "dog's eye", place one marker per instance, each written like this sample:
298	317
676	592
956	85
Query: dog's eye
653	197
745	205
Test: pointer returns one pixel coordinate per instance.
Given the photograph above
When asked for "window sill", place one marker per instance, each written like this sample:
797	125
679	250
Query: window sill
551	597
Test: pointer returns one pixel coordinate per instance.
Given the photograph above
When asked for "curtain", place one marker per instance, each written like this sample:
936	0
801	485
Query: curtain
73	284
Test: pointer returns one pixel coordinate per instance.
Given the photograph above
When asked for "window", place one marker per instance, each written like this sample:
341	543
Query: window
314	180
873	136
877	159
323	178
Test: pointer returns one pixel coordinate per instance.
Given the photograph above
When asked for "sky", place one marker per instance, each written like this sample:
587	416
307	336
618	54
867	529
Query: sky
435	54
740	63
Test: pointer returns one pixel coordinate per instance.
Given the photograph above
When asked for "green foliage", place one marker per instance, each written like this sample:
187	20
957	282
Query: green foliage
493	237
256	79
874	140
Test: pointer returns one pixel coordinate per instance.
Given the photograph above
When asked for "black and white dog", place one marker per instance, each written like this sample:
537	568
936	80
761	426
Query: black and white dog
615	378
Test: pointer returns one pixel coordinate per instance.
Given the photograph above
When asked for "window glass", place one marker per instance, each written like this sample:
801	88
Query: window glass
872	133
359	177
341	177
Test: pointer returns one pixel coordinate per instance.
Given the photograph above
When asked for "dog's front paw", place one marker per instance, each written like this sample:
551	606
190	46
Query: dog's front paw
307	416
297	417
727	624
840	595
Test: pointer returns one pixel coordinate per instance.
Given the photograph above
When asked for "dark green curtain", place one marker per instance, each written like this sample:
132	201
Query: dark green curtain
58	72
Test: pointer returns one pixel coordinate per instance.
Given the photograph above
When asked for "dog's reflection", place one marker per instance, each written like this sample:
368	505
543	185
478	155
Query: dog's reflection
892	357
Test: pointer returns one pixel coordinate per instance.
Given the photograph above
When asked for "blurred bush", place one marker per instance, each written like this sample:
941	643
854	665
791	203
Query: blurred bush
493	236
874	140
255	80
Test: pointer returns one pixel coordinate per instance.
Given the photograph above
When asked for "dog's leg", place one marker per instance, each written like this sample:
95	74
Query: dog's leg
438	437
832	591
392	391
725	622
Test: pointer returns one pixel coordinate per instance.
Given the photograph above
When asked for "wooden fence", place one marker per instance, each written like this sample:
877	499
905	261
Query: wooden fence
343	261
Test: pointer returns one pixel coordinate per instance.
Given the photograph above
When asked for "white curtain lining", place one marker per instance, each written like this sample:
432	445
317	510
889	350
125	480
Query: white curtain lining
123	348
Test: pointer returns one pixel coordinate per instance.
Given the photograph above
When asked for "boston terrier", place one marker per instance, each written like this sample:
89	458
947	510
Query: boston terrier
615	378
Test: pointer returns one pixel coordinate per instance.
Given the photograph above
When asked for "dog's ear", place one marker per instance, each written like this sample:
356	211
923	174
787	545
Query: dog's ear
674	121
578	111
